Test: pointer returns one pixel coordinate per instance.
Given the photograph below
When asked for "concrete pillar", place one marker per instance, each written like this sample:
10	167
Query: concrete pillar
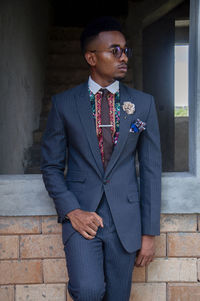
23	40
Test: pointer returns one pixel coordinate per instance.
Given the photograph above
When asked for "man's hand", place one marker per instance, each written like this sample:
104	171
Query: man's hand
147	251
85	222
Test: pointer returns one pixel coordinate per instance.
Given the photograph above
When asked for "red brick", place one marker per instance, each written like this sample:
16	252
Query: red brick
172	270
41	246
160	245
184	292
55	270
7	293
148	292
138	274
183	244
19	225
198	222
9	246
198	267
178	222
20	271
39	292
50	225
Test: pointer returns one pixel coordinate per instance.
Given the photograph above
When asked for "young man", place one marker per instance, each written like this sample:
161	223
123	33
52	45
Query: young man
106	218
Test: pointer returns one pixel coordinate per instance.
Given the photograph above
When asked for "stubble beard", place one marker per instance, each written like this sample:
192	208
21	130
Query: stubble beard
119	77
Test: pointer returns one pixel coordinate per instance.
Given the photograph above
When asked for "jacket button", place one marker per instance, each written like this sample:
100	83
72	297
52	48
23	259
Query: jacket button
105	181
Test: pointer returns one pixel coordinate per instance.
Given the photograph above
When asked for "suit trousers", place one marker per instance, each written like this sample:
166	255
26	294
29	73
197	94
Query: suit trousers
100	268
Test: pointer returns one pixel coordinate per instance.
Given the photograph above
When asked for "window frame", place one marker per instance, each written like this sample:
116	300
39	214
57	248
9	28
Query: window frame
25	195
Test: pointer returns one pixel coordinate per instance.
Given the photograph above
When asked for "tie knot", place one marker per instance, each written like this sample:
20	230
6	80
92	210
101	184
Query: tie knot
104	92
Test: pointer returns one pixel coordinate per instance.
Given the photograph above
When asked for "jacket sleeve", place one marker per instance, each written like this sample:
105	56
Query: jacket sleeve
150	170
53	159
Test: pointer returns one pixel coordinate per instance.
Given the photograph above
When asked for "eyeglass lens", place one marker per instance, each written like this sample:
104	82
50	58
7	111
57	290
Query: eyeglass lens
117	51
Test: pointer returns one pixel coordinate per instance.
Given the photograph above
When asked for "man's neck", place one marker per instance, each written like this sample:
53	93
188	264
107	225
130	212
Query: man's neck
102	82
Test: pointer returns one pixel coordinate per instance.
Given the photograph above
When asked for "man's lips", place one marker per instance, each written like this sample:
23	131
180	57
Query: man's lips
122	67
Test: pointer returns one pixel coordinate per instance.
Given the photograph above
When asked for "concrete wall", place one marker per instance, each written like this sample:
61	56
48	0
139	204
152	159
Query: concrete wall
23	40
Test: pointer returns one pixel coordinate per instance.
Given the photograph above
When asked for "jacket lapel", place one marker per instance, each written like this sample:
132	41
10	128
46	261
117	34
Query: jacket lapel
88	123
125	123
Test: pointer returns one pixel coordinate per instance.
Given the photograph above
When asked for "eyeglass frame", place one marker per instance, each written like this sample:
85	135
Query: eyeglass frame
121	49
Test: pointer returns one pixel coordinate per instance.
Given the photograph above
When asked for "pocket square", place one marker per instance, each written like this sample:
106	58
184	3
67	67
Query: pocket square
138	126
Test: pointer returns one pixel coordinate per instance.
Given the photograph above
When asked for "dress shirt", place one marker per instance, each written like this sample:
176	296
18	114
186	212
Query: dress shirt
94	87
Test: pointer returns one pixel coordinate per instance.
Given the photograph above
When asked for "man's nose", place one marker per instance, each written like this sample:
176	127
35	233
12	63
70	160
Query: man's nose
124	58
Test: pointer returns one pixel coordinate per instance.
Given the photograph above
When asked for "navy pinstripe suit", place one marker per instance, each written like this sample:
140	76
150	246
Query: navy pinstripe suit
129	209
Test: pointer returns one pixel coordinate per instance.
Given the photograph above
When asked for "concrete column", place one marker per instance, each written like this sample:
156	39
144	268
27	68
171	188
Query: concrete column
23	39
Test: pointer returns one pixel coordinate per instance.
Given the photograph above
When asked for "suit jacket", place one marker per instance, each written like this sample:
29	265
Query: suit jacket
71	135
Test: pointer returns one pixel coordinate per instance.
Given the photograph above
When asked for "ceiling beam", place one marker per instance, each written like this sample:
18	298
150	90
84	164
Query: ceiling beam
157	13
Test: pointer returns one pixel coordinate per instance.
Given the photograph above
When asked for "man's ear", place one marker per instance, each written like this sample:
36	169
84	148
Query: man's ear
90	58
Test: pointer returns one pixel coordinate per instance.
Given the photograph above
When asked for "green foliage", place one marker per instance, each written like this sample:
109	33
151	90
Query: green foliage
181	112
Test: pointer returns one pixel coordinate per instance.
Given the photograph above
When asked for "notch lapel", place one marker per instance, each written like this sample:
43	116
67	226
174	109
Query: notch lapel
124	126
85	113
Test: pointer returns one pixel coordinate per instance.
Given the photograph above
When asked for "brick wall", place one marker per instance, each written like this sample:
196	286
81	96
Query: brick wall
32	265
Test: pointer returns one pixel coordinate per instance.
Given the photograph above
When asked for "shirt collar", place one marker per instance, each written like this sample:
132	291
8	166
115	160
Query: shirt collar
94	87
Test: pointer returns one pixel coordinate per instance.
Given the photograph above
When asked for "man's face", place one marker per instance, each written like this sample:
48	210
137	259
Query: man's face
104	64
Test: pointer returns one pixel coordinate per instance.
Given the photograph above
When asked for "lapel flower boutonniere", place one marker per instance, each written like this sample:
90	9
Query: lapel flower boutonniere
128	107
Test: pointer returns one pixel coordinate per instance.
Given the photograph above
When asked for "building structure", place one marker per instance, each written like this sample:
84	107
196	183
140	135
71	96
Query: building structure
40	56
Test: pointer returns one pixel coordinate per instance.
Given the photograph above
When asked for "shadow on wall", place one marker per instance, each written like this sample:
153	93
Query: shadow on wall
181	144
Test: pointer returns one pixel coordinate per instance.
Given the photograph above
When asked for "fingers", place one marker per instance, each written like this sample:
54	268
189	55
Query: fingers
98	219
93	226
86	235
149	260
90	231
138	260
86	223
87	232
142	261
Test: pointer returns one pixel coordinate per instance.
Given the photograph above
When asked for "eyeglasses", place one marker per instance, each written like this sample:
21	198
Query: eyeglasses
117	51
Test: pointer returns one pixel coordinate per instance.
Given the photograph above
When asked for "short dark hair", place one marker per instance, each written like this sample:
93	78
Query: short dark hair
96	26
